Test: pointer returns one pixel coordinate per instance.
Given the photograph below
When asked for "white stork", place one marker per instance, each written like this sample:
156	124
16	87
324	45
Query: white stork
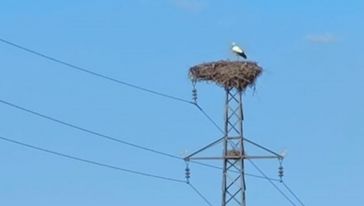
237	50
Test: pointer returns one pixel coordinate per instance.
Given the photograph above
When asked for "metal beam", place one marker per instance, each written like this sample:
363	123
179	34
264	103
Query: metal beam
233	157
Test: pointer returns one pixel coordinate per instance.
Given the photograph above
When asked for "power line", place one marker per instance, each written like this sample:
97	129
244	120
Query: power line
293	193
272	183
99	75
143	173
262	177
209	118
200	194
108	137
105	165
91	161
87	130
84	70
47	117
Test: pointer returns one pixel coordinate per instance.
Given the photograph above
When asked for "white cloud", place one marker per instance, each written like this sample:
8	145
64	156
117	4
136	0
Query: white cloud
324	38
190	5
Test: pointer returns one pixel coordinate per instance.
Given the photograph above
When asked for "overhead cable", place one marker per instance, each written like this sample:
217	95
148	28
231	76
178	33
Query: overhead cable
98	134
84	70
87	130
200	194
272	183
91	161
96	74
293	193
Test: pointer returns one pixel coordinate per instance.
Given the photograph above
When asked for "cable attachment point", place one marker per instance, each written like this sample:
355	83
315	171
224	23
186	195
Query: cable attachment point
187	173
194	92
280	171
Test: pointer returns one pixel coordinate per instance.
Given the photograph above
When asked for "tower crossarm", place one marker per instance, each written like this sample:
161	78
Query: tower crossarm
232	157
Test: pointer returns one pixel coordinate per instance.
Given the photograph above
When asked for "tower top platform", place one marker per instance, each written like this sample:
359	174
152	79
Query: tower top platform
228	74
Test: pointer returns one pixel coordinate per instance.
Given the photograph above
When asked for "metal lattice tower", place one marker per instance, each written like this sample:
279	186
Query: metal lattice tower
234	77
233	183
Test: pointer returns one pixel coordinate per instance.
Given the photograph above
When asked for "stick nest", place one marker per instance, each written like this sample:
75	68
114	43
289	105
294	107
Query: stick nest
228	74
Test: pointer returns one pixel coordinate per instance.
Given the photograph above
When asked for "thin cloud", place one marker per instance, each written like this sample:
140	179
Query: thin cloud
190	5
325	38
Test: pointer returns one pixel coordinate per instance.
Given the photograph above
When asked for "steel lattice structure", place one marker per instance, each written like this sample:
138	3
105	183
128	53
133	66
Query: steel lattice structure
234	154
234	77
233	183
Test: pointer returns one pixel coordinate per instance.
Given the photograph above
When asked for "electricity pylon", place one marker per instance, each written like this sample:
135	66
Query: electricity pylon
234	154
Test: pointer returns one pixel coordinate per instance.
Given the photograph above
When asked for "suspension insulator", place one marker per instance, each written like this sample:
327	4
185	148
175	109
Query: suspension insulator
280	172
194	91
187	174
194	95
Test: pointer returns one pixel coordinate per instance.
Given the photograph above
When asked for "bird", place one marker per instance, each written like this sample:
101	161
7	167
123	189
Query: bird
237	50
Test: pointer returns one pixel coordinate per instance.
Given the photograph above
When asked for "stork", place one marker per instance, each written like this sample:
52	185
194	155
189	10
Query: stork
237	50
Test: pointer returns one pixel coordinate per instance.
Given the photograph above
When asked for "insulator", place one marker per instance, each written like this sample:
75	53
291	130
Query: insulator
194	95
280	172
194	91
187	173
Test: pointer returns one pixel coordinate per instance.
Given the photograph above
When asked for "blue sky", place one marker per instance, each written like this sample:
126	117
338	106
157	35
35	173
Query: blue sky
308	101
